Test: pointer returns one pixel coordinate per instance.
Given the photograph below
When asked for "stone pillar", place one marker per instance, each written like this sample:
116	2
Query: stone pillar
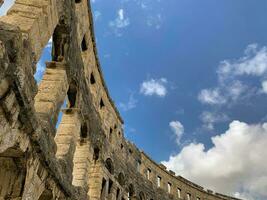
66	138
1	2
39	21
81	165
52	92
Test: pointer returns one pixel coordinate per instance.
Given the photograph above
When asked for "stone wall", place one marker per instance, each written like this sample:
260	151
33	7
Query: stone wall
78	151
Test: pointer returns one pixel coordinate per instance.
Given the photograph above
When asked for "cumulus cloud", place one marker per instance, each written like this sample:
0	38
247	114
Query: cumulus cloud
131	104
154	87
178	129
234	165
230	88
5	7
120	22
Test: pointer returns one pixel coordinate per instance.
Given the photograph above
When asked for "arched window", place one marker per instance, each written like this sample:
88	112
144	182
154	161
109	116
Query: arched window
84	131
84	46
72	94
96	154
109	166
131	191
101	104
92	78
121	179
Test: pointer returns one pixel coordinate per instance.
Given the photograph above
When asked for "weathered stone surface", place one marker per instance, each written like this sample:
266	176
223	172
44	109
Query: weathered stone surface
79	152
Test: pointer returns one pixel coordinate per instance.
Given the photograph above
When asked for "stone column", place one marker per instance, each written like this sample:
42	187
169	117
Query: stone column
66	138
52	92
81	165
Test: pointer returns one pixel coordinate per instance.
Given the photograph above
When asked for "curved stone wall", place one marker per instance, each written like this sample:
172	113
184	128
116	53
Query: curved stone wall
48	151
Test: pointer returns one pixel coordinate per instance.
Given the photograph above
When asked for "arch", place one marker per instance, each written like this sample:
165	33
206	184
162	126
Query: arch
84	45
121	179
78	1
96	154
61	40
72	94
109	166
92	79
131	190
84	131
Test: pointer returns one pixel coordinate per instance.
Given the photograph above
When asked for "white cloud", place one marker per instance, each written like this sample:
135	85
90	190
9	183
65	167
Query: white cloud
131	104
211	96
254	63
97	15
5	7
154	87
230	88
210	118
120	22
235	164
264	86
178	130
154	21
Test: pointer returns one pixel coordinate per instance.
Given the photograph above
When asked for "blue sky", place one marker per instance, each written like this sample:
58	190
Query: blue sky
190	80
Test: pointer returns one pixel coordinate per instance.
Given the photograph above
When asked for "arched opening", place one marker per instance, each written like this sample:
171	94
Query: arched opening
101	104
96	154
60	41
78	1
110	134
84	132
92	78
109	166
121	179
131	192
117	194
110	185
84	46
72	94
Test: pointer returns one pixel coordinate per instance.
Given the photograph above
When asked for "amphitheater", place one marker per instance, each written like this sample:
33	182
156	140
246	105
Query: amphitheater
85	156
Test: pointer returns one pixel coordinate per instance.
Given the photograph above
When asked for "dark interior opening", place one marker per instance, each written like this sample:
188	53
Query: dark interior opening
78	1
92	79
84	131
96	153
110	186
72	94
109	166
84	44
102	105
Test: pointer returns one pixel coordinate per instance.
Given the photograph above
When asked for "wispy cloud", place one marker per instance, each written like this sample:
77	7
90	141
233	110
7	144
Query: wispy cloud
155	87
211	118
97	15
154	21
120	22
230	73
131	104
178	129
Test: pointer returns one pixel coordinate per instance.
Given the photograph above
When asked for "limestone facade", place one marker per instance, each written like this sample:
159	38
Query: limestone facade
78	151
